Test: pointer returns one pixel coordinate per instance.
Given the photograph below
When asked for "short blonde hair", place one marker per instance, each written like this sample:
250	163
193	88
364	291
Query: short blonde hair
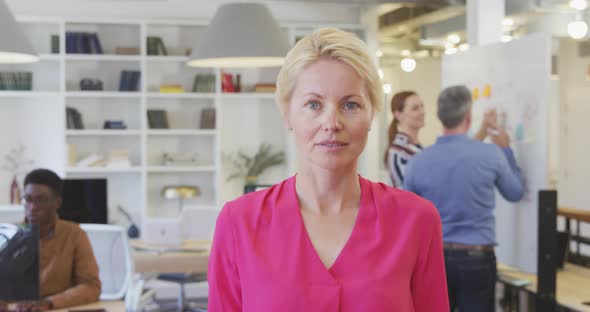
332	44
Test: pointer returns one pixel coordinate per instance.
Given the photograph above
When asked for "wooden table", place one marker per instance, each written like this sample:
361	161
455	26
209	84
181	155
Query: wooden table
110	306
191	257
572	288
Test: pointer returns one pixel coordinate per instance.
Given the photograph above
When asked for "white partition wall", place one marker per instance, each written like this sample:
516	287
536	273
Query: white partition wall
513	78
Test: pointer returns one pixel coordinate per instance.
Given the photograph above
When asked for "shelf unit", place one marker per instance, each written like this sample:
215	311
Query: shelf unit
243	120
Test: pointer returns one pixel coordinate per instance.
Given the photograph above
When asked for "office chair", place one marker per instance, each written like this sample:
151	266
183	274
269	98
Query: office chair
182	279
113	256
201	226
7	231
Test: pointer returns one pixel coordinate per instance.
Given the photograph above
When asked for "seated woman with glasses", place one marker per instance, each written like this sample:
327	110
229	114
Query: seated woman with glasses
67	267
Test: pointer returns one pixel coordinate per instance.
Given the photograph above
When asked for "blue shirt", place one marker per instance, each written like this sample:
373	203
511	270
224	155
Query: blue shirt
459	175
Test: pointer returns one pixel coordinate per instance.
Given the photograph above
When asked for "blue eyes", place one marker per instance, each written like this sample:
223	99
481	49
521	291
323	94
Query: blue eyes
351	106
314	105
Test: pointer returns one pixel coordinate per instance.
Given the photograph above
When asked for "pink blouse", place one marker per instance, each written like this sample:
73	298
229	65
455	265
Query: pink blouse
263	260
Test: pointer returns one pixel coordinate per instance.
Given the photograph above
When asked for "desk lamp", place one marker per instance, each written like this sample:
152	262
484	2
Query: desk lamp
180	192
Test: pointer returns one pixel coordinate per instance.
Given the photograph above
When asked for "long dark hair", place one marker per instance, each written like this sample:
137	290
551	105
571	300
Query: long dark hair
398	103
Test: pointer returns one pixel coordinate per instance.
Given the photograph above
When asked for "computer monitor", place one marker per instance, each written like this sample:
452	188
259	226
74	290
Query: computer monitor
84	201
19	266
254	188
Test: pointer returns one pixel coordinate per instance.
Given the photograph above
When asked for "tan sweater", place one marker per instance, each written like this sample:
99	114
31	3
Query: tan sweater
68	269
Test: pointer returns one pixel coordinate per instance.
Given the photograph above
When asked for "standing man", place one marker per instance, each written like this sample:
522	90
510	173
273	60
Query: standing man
67	267
459	175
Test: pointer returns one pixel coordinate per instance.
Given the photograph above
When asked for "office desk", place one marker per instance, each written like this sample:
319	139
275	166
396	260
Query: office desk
192	257
572	288
109	306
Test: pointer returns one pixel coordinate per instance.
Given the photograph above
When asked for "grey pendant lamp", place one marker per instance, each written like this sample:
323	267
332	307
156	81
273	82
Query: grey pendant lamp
241	35
14	45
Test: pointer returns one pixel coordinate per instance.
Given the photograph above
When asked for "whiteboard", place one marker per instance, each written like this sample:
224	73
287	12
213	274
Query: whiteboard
513	78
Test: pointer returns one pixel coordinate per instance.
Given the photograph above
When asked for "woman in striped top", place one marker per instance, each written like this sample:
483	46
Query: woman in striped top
408	119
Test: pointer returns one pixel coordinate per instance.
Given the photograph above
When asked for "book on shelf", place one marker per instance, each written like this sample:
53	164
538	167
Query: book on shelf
204	83
55	44
114	124
73	119
171	88
119	159
155	46
83	43
129	80
265	87
20	81
127	50
207	118
227	83
92	160
157	119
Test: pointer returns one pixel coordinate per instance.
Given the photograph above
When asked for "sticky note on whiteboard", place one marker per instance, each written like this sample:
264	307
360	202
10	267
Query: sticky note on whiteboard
487	91
475	94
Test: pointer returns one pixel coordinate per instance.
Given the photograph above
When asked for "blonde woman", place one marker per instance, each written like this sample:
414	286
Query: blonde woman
328	239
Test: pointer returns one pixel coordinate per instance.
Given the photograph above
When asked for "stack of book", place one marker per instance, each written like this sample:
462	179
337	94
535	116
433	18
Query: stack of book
171	88
155	46
204	83
16	81
265	87
127	50
82	42
129	80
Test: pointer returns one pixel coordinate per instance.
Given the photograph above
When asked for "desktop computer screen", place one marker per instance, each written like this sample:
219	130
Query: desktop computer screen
19	266
84	201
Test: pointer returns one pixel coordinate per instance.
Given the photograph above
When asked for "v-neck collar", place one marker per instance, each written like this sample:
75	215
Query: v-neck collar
350	241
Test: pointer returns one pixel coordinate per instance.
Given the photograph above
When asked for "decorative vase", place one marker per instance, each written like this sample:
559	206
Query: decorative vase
133	231
251	180
15	192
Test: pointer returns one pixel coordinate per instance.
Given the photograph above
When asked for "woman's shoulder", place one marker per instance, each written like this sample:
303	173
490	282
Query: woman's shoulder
403	203
257	204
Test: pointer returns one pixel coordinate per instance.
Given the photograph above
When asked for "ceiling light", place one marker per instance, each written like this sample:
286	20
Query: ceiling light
379	53
241	35
450	51
508	22
14	45
577	29
380	72
463	47
406	53
454	38
506	38
578	4
408	64
387	88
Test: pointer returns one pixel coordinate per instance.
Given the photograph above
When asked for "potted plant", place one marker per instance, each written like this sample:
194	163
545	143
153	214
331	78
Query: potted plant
251	167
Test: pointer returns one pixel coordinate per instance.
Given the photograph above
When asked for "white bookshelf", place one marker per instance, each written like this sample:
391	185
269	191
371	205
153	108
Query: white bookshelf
243	120
248	96
102	170
103	57
181	95
28	94
173	59
101	132
183	169
181	132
